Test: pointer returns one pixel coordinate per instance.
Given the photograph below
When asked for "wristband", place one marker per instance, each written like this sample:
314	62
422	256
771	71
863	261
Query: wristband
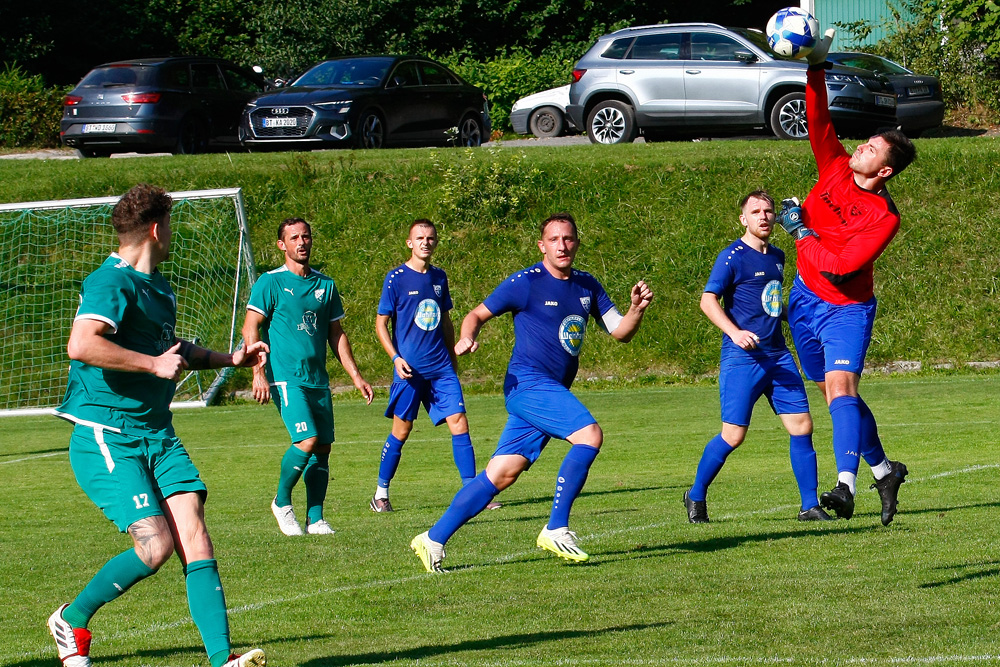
395	356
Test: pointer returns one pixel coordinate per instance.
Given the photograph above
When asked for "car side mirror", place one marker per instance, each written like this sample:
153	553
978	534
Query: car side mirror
745	56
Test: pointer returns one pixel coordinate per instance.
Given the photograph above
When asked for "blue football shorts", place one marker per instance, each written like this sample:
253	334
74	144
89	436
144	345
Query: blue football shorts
440	396
829	337
306	411
744	378
128	476
538	413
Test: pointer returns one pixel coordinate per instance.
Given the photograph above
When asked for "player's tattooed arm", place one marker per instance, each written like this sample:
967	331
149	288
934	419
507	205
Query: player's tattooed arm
198	358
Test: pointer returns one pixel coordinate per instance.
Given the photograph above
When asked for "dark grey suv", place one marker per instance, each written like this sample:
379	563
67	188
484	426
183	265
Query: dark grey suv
177	104
702	76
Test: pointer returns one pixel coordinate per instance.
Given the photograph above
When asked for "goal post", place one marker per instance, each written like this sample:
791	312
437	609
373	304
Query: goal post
46	250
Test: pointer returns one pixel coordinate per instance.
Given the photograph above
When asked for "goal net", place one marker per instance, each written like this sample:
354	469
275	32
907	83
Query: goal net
48	248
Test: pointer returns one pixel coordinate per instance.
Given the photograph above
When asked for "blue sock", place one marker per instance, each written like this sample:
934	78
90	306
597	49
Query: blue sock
391	451
871	445
465	456
316	477
803	455
572	476
712	460
468	502
846	417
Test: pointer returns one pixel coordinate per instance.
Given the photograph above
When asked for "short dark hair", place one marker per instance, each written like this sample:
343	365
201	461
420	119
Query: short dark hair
757	194
901	150
138	209
558	217
288	222
422	222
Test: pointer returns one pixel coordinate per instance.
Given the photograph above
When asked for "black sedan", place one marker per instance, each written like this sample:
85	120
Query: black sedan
919	105
176	104
369	102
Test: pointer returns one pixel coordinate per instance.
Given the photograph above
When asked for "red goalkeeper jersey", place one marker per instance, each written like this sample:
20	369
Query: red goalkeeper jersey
854	225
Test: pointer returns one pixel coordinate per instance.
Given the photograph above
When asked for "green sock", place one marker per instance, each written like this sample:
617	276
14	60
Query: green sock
317	478
208	607
293	463
110	582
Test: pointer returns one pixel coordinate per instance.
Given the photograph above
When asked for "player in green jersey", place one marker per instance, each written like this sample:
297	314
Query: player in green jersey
297	311
126	360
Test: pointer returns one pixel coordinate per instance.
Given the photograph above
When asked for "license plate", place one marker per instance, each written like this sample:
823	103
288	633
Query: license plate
98	127
919	91
280	122
885	101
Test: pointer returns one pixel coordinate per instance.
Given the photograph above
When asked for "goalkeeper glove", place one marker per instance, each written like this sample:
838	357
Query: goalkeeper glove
818	54
790	219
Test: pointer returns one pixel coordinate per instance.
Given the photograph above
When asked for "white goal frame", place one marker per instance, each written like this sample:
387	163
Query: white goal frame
192	383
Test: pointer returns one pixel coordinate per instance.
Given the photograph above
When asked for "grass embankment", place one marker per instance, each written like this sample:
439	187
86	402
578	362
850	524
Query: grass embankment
660	212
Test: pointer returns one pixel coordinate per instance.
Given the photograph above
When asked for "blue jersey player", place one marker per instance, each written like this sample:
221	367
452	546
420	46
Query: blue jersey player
416	301
551	303
747	276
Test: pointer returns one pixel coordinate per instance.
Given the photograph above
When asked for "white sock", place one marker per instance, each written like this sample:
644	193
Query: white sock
848	478
882	469
381	494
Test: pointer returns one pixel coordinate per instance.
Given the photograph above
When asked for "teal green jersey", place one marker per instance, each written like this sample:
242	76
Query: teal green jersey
297	315
141	310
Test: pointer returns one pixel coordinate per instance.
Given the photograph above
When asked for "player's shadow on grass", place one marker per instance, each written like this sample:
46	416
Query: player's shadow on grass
37	452
719	543
155	655
583	494
944	510
505	642
980	574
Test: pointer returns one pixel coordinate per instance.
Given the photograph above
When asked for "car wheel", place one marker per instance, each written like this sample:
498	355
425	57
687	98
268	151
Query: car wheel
611	122
546	122
470	134
788	117
191	137
371	131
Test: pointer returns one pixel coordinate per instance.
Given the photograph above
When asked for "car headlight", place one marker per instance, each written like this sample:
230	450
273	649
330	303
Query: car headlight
335	103
842	78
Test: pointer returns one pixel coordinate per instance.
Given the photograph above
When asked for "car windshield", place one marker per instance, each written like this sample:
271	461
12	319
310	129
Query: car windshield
119	75
349	73
868	62
758	39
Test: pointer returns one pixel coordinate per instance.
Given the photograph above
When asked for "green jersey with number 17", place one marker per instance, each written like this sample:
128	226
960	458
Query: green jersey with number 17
297	314
141	310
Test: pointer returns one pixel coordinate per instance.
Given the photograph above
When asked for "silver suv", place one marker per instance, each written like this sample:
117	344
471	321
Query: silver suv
701	76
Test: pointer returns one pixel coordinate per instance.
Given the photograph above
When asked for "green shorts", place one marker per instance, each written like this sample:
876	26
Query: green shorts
306	411
129	476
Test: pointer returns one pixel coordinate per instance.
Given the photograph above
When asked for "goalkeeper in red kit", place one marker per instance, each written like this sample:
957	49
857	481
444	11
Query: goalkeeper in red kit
844	225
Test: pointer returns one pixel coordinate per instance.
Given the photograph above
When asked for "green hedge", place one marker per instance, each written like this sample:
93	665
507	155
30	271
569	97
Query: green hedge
29	112
659	211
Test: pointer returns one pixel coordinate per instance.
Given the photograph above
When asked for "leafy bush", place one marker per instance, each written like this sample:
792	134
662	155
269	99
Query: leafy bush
29	112
956	40
490	190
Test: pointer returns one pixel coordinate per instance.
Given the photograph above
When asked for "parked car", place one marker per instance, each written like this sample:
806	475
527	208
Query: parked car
919	103
542	114
702	76
178	104
369	102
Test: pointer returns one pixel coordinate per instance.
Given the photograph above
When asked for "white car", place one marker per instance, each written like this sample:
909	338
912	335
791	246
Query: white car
542	114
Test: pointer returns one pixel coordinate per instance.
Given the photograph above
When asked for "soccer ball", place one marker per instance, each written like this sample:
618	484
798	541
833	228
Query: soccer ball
792	32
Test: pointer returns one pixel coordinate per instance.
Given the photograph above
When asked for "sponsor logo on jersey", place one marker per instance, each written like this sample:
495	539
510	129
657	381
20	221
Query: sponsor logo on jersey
413	292
585	302
308	323
842	362
758	274
289	291
770	298
319	294
552	303
571	331
428	315
438	289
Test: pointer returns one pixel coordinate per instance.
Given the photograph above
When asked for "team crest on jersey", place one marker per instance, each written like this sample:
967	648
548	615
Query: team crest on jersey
437	290
166	337
780	267
319	294
585	302
428	315
770	298
308	323
571	332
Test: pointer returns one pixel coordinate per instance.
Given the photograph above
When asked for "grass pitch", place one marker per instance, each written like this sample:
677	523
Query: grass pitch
753	587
